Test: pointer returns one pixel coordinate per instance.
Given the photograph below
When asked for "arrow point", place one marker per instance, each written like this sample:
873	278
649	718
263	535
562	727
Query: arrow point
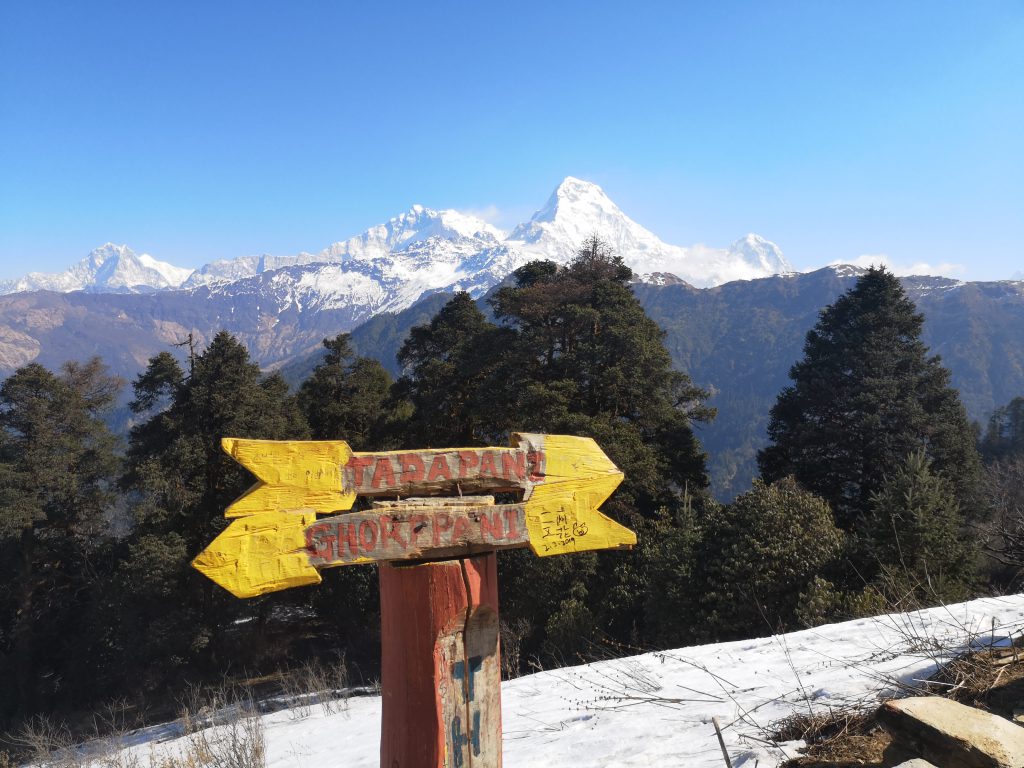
261	553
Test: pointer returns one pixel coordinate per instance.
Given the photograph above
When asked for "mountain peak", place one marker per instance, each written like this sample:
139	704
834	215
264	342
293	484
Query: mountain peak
104	253
110	268
575	198
571	187
760	253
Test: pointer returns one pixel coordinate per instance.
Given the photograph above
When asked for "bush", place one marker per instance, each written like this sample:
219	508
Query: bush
759	555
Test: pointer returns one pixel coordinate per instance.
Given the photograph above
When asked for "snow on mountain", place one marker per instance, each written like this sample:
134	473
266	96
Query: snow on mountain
403	245
416	226
389	266
657	708
578	209
107	269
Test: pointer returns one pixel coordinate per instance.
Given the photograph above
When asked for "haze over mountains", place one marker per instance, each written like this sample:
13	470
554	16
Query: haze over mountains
735	317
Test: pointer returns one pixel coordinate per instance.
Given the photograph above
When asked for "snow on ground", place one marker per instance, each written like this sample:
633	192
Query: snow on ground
656	709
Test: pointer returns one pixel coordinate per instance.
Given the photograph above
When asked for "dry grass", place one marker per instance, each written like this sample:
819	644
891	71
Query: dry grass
989	678
835	739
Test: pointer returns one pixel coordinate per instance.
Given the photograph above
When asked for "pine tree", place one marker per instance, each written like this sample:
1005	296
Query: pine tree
345	397
573	353
58	465
452	377
180	479
864	396
915	538
1004	436
587	360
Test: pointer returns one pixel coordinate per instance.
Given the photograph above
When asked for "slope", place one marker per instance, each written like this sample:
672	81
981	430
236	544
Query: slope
656	708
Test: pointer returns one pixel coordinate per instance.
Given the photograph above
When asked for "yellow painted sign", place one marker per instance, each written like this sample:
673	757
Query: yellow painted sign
277	541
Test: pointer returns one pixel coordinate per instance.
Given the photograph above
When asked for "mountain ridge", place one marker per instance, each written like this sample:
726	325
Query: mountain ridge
425	249
737	339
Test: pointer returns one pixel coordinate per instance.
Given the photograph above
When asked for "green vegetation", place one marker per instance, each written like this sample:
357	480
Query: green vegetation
867	489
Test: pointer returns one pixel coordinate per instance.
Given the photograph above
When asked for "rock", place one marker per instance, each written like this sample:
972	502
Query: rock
952	735
917	762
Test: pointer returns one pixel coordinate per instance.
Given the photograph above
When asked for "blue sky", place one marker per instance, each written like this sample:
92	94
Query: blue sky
196	131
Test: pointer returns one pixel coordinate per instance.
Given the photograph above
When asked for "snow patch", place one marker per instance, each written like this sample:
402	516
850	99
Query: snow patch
656	709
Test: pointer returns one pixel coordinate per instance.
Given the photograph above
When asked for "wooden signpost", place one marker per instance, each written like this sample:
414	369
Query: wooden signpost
436	545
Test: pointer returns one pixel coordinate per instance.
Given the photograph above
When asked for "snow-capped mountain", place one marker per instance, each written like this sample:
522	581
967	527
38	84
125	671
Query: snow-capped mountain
390	266
450	234
107	269
387	268
578	209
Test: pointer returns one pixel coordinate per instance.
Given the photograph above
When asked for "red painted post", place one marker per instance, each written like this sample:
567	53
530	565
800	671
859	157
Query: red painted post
440	665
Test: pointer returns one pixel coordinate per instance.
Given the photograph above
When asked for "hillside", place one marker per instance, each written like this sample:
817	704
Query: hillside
739	340
656	708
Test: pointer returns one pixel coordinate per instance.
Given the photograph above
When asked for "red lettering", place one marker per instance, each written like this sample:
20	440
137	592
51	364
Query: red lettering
321	542
367	535
357	464
383	474
416	524
412	468
467	461
490	526
439	468
487	467
461	530
442	522
535	460
387	531
351	538
513	465
510	521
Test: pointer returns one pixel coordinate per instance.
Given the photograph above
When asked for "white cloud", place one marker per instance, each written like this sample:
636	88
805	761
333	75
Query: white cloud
489	213
943	269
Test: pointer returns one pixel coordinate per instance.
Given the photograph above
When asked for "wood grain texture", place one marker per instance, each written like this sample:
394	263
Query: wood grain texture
562	512
293	474
260	553
440	665
415	532
435	472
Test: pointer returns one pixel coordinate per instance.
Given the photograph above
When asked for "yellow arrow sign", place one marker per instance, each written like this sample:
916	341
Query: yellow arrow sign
279	543
292	474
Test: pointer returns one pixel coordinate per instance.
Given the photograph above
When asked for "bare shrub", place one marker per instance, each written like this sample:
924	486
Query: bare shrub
223	730
46	743
512	635
315	683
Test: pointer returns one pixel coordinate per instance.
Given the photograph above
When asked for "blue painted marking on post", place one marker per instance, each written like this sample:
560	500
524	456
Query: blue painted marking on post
460	739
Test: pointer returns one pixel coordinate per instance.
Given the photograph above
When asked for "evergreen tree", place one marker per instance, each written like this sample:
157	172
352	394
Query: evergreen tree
1004	436
587	360
451	377
180	479
757	556
574	353
914	537
345	397
58	465
348	398
864	396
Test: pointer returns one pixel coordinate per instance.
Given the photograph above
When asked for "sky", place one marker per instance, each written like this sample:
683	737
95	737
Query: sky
196	131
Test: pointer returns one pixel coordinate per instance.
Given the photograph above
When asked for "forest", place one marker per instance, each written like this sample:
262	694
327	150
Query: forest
875	492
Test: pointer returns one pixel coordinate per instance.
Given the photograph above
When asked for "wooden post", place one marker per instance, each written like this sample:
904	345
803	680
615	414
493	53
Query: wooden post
440	664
